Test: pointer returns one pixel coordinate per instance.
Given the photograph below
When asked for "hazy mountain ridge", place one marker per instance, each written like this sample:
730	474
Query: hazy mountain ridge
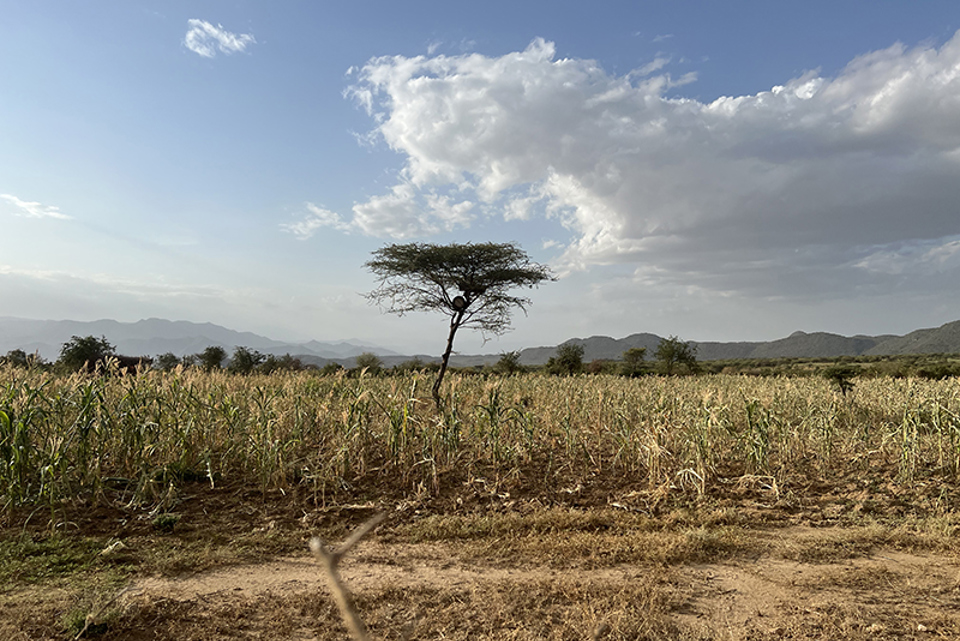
154	336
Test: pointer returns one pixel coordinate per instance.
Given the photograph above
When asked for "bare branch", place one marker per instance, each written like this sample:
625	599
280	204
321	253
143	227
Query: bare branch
330	559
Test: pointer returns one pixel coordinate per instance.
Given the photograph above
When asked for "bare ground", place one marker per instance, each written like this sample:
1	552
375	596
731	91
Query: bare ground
434	591
744	567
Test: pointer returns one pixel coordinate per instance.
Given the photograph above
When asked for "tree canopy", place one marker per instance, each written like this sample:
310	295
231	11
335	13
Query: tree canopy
673	352
568	360
469	282
85	352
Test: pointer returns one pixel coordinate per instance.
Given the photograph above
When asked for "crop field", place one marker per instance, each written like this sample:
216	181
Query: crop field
178	506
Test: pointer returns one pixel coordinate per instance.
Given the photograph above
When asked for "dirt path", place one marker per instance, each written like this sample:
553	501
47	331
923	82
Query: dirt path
886	594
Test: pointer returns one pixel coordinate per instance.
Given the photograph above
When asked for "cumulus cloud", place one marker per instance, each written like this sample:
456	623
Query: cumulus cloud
205	39
780	189
33	209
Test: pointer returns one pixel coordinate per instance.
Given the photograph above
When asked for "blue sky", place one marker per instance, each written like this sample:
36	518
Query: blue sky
716	170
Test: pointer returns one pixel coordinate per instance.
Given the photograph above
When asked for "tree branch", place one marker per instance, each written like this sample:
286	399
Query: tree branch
330	559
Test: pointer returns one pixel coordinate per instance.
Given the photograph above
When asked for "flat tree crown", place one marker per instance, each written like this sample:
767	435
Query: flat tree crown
468	282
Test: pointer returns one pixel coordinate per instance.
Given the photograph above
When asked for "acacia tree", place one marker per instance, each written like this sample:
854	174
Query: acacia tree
469	282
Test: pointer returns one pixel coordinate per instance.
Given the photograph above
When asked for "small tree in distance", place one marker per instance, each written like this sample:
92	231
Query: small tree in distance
19	358
85	353
212	357
568	361
633	361
673	353
509	363
841	376
370	362
467	282
166	362
245	360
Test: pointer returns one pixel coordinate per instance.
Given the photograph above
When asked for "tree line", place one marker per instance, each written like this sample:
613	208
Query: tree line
93	354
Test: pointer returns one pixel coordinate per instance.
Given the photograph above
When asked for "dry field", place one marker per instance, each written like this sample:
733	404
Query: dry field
179	506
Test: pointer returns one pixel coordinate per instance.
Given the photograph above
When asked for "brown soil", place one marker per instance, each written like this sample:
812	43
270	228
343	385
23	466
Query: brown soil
749	566
426	591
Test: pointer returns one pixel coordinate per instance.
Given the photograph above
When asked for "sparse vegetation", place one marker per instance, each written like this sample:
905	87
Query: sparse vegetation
590	473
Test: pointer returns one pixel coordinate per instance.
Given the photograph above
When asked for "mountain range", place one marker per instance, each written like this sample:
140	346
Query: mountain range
155	336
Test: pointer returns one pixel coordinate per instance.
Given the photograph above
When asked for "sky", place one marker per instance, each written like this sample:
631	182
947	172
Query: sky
712	170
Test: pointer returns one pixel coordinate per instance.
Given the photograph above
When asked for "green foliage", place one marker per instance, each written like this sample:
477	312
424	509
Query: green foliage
16	358
469	282
509	363
285	363
415	364
165	522
331	368
86	353
166	362
674	355
370	362
212	358
245	360
29	560
841	375
633	362
568	360
19	358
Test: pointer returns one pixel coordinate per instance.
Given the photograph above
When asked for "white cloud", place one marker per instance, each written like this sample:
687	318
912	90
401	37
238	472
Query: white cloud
205	39
656	64
316	219
772	193
33	209
407	212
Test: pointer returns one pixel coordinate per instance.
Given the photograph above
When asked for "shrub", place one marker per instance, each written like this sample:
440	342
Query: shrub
509	363
568	361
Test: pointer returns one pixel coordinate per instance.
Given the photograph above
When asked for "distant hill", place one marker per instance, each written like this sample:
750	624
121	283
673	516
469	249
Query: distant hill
940	340
157	336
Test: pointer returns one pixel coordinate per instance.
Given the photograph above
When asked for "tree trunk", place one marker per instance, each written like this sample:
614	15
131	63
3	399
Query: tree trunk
454	326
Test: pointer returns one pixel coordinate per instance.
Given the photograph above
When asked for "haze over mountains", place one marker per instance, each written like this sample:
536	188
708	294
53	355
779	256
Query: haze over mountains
155	336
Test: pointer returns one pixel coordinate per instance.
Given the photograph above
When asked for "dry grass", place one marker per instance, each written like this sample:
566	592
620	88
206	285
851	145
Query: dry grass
570	476
137	440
